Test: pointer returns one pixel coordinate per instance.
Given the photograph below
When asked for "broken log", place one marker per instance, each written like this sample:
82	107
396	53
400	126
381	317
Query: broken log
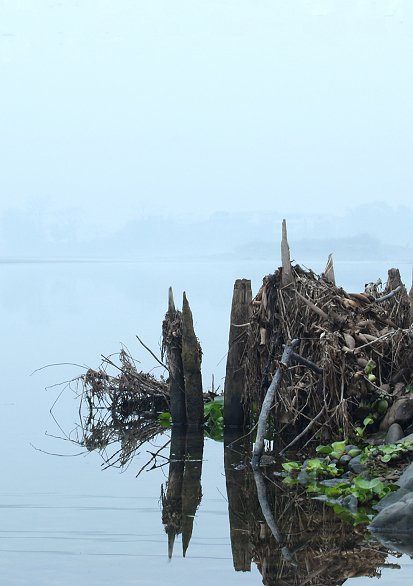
235	372
268	403
172	341
191	362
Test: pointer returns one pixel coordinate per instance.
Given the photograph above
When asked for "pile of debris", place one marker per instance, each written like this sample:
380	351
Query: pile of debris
119	409
363	342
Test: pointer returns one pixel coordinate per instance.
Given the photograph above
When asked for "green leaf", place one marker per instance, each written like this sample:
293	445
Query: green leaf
291	466
164	417
324	449
386	458
339	447
289	480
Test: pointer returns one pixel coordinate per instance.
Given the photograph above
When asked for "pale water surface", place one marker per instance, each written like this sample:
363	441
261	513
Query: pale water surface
64	520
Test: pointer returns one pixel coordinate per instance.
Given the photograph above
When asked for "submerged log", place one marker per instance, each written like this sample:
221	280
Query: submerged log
191	361
235	372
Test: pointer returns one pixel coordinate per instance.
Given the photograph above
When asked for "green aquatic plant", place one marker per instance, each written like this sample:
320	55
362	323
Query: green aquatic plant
386	453
213	419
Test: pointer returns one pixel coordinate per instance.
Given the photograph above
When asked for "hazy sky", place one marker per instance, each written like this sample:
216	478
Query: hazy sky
124	107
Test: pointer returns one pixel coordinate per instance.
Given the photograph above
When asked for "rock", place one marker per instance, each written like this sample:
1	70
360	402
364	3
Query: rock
350	447
355	465
394	434
400	412
406	438
345	459
390	499
406	480
396	518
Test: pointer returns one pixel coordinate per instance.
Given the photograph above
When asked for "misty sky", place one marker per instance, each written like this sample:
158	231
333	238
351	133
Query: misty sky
123	108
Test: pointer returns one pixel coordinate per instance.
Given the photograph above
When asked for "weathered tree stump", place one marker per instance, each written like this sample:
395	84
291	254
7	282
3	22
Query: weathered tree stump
191	361
234	379
172	342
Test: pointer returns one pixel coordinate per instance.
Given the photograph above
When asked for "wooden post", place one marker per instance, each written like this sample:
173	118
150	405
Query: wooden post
329	270
234	379
287	274
172	340
191	361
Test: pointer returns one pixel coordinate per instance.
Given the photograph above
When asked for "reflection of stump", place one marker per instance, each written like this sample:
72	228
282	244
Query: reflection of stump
191	360
235	371
183	492
191	489
172	500
237	489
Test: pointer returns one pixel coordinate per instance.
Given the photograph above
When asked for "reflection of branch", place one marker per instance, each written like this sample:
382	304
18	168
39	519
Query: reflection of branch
300	435
154	458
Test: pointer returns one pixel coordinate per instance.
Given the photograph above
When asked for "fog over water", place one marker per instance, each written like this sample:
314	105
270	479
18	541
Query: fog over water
130	110
155	144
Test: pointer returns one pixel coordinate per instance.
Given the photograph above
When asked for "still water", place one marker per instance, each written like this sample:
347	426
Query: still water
64	518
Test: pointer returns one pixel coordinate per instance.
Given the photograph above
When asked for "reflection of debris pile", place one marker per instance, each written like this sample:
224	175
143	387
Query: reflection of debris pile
122	408
317	547
324	550
339	332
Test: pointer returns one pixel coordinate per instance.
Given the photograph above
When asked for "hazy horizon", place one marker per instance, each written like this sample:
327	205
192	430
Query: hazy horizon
112	111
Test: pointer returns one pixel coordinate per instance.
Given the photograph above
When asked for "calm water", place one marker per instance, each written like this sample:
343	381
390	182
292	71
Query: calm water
65	520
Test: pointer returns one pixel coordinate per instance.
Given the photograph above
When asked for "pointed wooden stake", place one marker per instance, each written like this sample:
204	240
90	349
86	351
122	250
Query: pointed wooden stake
287	275
329	270
173	343
191	361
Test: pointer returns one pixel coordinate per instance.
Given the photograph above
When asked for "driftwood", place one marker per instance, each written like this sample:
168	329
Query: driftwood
288	356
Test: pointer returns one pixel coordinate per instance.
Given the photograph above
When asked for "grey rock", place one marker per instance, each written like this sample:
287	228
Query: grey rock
406	480
355	465
406	438
396	518
350	447
400	412
345	459
394	433
390	499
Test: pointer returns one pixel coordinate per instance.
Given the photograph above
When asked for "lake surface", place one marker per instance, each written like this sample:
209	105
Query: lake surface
64	519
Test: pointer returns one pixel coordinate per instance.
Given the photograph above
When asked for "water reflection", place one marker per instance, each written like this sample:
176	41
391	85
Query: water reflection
182	493
310	543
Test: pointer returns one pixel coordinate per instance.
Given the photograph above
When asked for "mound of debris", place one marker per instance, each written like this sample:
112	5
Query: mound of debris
363	342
